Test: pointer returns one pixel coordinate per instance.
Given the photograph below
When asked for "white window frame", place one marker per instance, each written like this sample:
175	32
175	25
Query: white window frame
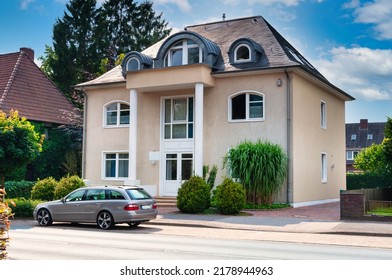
350	155
118	124
172	122
353	137
117	159
323	114
236	60
138	64
324	168
370	137
185	48
247	104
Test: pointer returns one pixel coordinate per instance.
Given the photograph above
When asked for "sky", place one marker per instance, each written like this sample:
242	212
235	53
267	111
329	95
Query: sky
348	41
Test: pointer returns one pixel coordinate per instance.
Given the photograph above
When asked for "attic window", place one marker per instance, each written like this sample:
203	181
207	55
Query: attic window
353	137
184	52
133	64
242	53
370	137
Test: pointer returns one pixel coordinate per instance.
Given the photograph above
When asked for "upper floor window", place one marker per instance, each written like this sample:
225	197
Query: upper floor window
350	155
246	106
242	53
323	114
323	167
133	64
353	137
178	118
370	136
116	114
184	52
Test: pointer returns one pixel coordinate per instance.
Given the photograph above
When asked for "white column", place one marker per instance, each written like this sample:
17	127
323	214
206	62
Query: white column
199	126
132	136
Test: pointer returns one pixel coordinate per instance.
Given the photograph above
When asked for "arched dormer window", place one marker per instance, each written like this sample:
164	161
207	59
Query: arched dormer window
116	114
242	53
183	53
244	50
246	106
188	47
134	61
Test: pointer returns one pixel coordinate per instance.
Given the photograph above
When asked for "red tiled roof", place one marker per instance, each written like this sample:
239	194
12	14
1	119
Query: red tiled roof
25	88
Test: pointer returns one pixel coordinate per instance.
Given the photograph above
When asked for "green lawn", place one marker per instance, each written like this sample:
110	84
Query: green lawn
381	211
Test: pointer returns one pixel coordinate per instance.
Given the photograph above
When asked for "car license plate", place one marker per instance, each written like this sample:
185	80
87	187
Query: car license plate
146	207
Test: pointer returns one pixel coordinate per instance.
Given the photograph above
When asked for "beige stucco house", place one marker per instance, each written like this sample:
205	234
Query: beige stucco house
182	103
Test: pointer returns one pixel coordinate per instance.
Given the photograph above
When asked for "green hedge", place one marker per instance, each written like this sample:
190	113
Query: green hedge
19	189
23	208
368	181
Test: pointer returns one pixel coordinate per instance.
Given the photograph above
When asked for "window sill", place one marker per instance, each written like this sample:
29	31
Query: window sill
246	120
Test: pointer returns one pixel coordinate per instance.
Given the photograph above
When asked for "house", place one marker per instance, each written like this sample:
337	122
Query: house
360	136
183	102
25	88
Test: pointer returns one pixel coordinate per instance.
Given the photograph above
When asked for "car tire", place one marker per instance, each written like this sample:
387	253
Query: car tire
44	218
133	224
105	220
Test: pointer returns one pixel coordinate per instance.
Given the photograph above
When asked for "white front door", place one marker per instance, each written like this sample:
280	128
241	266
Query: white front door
178	168
177	143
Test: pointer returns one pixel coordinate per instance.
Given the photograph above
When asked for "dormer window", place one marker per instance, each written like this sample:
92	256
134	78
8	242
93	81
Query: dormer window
242	53
183	53
245	50
133	64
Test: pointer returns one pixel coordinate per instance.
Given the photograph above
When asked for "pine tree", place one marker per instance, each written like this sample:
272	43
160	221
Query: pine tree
388	141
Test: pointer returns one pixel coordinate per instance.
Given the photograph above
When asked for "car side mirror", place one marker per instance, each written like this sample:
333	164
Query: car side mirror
63	199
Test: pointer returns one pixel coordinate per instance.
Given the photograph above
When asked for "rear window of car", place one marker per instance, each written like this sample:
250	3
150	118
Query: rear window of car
138	194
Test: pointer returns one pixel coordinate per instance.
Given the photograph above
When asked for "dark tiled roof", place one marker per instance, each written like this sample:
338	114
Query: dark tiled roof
375	129
25	88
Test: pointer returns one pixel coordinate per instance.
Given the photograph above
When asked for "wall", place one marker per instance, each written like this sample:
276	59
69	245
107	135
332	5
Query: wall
101	139
310	140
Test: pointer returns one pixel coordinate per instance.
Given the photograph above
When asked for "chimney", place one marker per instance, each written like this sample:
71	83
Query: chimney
363	124
29	52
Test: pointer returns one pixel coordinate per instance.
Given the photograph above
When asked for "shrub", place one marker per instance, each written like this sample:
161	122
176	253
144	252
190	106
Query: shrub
193	196
19	189
67	185
368	181
230	197
23	207
44	189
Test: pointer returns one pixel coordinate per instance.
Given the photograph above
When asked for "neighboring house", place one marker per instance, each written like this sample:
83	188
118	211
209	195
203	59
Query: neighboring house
25	88
360	136
182	103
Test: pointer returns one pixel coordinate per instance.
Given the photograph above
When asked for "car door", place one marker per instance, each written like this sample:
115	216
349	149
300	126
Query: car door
91	204
69	209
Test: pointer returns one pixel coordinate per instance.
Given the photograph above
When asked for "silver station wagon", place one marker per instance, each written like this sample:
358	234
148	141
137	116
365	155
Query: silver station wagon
104	205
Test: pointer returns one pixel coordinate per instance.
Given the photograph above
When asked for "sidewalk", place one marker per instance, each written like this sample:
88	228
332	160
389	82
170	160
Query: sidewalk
321	219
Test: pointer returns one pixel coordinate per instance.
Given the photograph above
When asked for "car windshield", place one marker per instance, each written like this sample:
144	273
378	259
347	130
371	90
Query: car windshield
138	194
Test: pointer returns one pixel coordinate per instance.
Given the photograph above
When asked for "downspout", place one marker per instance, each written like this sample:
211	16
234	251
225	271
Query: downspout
289	124
84	145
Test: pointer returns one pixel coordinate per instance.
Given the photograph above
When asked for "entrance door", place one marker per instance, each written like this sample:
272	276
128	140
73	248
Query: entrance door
178	167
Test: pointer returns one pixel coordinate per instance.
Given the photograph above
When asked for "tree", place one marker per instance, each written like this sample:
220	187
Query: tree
87	41
372	160
19	143
261	167
127	26
388	141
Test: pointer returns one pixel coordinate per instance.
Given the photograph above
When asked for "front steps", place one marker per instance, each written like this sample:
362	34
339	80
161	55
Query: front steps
166	201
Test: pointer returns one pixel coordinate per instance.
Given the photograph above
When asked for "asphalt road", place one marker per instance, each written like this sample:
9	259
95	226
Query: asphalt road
159	242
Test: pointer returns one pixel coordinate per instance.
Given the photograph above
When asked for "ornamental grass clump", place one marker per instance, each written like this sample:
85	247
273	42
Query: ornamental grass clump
261	167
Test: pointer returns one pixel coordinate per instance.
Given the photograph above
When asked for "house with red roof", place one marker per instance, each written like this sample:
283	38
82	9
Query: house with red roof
25	88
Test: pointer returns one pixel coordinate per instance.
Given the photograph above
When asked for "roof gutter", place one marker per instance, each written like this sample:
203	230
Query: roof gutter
289	129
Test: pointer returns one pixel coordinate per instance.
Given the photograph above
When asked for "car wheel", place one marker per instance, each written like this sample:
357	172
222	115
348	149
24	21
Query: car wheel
133	224
105	220
44	218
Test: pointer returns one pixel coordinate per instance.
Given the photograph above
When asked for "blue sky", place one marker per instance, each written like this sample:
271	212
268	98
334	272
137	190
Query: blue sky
349	41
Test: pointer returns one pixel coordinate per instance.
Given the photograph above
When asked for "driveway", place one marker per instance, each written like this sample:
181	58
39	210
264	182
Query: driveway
328	212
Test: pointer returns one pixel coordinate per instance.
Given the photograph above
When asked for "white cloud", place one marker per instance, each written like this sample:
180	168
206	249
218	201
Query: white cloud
362	72
182	4
273	2
24	4
377	12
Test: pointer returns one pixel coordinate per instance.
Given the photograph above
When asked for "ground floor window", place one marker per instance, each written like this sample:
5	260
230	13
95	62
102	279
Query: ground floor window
116	165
